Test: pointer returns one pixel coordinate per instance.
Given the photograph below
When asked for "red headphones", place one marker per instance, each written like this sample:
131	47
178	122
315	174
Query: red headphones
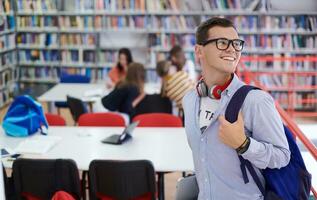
214	92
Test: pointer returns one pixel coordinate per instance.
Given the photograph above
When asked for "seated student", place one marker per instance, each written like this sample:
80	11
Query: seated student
174	86
118	72
127	93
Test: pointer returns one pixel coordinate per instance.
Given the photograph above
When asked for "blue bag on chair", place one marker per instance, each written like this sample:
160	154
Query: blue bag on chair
292	182
24	117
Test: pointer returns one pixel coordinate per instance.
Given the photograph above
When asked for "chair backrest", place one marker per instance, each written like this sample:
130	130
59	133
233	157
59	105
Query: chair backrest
153	103
121	179
101	119
55	120
74	78
42	177
158	120
77	107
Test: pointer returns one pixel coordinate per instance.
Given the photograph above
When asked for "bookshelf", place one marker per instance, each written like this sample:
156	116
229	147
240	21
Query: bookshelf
8	73
83	36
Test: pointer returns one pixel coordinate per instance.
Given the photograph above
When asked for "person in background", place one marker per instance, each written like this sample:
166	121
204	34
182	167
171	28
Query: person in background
215	142
163	71
128	92
174	85
180	62
118	72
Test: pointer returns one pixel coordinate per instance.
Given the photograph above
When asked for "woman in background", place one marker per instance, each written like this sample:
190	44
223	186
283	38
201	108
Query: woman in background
128	92
118	72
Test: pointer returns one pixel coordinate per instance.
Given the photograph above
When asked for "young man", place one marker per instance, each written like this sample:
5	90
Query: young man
257	135
179	60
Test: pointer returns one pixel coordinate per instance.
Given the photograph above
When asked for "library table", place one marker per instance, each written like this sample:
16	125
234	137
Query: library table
87	92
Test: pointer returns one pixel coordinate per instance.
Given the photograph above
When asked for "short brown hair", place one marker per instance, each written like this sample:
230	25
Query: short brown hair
162	67
203	28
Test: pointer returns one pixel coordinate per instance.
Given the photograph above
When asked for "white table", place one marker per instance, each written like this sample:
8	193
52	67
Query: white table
80	91
166	148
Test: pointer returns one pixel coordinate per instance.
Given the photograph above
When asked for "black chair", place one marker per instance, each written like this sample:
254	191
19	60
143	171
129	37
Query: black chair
42	177
121	179
77	107
153	103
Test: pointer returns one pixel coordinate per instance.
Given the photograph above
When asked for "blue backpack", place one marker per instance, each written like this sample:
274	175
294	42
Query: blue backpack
292	182
24	117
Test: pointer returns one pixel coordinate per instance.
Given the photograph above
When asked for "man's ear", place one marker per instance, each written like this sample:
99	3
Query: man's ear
198	51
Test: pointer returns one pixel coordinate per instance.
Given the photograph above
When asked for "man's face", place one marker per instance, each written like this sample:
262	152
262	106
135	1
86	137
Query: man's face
215	60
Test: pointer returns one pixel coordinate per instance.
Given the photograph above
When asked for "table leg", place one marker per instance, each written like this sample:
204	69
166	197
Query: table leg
161	193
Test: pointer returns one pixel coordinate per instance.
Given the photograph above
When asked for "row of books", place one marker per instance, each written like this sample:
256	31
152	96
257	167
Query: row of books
37	21
232	4
281	66
280	41
45	72
118	5
5	6
51	39
7	42
38	56
77	39
140	5
77	5
121	22
78	56
167	41
286	80
52	73
36	5
7	22
7	59
39	39
255	23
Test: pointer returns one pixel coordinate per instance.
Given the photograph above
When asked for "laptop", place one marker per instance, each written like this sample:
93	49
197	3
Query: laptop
124	136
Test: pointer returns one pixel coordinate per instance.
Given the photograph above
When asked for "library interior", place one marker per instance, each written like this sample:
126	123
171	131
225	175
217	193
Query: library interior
93	96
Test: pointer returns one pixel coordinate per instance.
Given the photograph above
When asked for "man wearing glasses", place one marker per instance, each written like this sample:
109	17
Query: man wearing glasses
216	142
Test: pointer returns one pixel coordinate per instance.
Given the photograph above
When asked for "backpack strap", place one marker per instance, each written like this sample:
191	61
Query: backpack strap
231	115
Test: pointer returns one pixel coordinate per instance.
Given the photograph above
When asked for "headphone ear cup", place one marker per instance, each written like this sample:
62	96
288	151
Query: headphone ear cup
215	92
204	89
201	88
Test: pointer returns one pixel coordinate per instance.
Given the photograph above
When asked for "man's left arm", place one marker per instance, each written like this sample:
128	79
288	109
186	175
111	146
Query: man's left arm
268	144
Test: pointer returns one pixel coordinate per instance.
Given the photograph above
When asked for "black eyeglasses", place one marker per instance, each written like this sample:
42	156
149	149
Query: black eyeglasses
223	43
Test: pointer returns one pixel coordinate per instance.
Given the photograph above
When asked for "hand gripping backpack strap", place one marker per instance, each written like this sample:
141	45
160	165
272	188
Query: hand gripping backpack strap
231	115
